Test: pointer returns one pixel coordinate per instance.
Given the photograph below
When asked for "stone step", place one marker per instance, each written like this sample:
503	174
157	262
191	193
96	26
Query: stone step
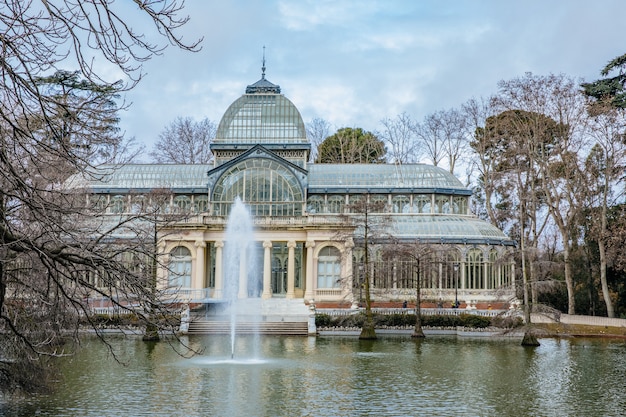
268	328
277	307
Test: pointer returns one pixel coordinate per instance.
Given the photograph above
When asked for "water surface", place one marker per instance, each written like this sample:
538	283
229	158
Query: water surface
340	376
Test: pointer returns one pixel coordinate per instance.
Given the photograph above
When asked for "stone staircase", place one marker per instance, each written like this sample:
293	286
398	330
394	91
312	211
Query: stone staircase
266	328
274	316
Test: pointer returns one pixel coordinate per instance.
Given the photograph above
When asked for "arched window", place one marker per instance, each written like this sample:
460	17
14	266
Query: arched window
405	272
180	268
493	280
356	203
138	204
474	269
315	204
118	204
442	204
182	204
336	204
380	203
267	187
99	203
200	204
460	205
329	268
451	278
399	202
421	203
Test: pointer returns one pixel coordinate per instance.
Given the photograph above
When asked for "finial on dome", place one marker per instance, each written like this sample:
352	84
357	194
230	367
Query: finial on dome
263	67
263	86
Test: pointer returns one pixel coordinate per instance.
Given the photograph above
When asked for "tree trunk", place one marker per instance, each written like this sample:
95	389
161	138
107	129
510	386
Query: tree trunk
151	333
367	331
529	338
602	249
569	280
418	332
605	286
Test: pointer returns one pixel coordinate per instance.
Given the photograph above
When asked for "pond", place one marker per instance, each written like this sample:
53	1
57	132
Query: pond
339	376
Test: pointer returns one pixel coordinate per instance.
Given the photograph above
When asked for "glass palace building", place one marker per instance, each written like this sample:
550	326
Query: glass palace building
309	241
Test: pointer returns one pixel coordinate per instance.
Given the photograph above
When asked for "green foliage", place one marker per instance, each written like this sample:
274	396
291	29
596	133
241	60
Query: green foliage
323	320
610	89
351	146
474	321
408	320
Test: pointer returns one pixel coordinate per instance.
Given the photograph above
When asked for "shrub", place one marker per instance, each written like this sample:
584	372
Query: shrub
407	320
474	321
323	320
440	321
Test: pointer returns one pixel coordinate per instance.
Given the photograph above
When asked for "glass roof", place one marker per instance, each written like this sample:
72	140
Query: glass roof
416	176
460	229
261	119
143	176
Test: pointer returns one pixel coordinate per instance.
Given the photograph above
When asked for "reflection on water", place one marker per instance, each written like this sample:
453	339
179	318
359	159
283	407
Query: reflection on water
340	376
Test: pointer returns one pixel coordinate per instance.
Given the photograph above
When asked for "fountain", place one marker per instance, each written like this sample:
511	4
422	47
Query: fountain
241	279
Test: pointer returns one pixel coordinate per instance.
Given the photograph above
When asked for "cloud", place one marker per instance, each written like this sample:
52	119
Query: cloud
356	62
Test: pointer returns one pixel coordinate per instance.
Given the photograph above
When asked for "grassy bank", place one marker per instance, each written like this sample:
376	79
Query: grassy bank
579	330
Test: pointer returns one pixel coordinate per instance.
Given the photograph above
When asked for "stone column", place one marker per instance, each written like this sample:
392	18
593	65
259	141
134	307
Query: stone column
308	293
199	277
291	269
219	278
267	269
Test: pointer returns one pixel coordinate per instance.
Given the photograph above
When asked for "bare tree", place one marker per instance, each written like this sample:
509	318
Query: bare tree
185	141
454	138
52	241
604	169
399	134
443	136
369	219
477	111
420	256
560	167
317	130
431	138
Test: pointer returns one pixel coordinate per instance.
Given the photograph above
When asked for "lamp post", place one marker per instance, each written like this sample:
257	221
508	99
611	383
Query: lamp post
456	285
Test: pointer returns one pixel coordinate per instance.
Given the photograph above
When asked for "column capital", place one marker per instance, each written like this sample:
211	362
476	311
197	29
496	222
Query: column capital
291	244
219	244
267	244
200	244
310	243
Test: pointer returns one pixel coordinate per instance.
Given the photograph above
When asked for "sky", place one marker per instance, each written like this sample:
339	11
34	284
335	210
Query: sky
354	63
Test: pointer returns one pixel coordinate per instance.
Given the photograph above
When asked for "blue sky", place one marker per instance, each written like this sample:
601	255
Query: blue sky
354	63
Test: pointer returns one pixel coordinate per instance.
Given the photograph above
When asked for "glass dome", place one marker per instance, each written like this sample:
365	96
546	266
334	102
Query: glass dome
261	119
